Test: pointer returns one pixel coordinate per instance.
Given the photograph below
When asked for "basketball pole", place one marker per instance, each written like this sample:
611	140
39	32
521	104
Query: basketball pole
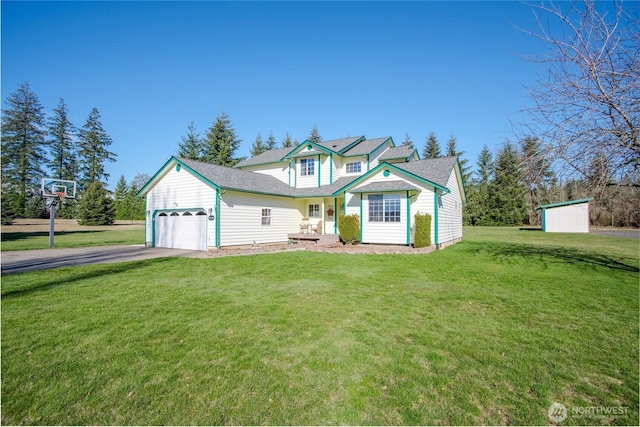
52	218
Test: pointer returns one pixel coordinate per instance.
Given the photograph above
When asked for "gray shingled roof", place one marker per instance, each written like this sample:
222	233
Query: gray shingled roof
365	147
338	145
271	156
401	152
434	170
385	186
326	190
237	179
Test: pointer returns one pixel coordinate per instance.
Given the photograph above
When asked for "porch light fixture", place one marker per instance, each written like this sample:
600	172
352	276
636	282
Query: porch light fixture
211	215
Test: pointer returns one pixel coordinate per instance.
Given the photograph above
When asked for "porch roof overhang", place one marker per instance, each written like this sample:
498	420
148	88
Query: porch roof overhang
385	187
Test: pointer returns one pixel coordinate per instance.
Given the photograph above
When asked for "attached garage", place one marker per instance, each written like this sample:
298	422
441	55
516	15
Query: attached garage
180	229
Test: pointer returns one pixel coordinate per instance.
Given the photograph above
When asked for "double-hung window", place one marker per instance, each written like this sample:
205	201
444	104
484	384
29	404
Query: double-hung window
354	167
266	216
384	209
314	211
376	208
307	167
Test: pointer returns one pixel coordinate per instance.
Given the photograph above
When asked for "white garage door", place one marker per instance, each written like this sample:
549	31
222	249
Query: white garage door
181	230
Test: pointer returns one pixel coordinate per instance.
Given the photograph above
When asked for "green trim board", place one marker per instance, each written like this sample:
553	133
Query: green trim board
330	168
217	220
435	217
335	215
361	220
567	203
408	218
319	169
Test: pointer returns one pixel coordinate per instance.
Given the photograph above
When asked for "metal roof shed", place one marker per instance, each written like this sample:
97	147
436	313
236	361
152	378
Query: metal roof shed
571	216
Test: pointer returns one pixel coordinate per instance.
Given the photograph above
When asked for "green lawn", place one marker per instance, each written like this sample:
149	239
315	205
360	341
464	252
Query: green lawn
489	331
19	241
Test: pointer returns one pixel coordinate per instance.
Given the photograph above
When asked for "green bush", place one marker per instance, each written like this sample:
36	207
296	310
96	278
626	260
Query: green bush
349	227
423	231
96	207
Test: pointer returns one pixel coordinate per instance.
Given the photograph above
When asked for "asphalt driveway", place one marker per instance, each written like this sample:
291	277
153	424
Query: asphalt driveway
42	259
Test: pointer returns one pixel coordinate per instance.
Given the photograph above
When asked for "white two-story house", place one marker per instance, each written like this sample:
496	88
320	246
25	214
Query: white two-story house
266	198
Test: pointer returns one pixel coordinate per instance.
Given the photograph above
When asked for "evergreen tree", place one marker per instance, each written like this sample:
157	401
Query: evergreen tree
96	207
221	143
135	206
537	176
93	142
64	162
452	150
477	207
287	142
314	136
191	145
119	196
6	208
506	191
271	143
407	140
23	142
431	147
257	147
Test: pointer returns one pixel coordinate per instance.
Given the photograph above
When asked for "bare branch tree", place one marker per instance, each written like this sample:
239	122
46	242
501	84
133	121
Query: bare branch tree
587	109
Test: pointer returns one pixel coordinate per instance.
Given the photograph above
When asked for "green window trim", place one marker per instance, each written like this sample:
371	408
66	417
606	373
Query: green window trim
319	169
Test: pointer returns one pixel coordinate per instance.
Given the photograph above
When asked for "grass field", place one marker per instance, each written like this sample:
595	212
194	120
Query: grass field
27	234
492	330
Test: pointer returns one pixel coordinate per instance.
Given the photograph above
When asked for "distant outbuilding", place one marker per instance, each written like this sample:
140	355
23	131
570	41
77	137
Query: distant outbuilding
571	216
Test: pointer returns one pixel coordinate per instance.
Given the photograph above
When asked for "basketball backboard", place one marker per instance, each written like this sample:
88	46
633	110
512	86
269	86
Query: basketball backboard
52	187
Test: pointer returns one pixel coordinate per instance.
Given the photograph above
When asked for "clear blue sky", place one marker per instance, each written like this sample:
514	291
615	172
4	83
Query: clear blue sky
358	68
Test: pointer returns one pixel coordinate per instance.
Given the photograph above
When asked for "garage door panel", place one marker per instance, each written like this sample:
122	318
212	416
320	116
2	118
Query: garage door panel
181	230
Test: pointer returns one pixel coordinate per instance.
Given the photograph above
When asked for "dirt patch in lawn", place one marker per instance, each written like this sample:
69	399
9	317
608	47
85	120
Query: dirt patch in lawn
25	225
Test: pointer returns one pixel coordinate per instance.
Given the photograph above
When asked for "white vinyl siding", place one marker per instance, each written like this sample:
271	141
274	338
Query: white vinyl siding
567	219
276	170
303	178
179	190
240	215
387	231
373	157
450	212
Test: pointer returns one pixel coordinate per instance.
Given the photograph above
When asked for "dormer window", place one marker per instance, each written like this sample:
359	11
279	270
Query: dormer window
354	167
307	167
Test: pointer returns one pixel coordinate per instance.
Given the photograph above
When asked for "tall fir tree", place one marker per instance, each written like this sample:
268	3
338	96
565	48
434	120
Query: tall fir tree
287	142
137	205
93	142
191	145
62	145
431	147
537	175
63	148
23	148
271	143
257	147
119	198
96	206
452	150
315	136
221	143
506	191
477	208
407	140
